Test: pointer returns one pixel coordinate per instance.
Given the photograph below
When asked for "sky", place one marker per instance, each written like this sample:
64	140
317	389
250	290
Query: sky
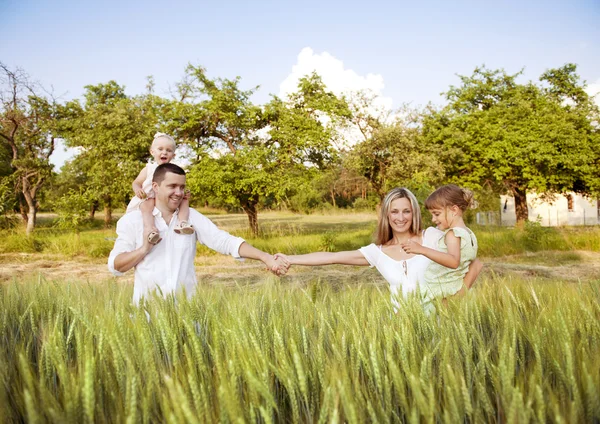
404	51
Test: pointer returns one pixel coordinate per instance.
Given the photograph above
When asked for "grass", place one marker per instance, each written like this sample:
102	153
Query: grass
289	233
320	345
511	351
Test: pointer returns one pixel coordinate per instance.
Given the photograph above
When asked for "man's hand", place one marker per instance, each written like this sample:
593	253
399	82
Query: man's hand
127	260
412	247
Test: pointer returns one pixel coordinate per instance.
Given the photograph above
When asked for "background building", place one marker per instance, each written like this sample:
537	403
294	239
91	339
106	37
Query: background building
567	209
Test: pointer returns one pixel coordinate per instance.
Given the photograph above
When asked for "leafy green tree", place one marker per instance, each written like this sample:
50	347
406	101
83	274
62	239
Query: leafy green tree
395	156
113	132
242	153
518	137
306	126
27	124
218	122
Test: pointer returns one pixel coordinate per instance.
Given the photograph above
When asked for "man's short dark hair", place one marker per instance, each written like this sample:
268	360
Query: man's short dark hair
161	171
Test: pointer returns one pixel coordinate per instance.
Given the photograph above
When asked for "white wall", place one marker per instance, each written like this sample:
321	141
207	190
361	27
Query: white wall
555	213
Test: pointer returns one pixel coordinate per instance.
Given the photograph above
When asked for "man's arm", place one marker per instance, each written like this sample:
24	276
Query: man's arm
223	242
124	255
127	260
277	267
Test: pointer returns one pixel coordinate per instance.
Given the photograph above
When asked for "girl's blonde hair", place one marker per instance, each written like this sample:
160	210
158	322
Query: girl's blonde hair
384	230
160	135
450	195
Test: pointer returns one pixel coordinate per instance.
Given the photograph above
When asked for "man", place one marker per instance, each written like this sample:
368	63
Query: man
169	265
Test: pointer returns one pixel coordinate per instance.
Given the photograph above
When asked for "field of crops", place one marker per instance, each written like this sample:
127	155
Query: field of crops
320	345
509	352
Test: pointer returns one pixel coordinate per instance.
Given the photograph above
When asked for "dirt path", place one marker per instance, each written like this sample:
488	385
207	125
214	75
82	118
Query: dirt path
582	266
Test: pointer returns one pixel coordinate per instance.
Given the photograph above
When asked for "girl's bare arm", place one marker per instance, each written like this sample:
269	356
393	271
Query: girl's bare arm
449	260
137	184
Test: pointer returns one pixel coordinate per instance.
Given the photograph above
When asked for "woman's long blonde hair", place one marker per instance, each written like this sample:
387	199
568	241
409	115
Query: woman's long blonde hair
384	230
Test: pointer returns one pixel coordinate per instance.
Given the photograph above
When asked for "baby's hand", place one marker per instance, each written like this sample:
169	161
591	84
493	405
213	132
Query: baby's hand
412	246
141	194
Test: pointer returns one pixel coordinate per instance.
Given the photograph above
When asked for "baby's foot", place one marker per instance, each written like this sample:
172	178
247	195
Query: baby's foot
184	227
154	237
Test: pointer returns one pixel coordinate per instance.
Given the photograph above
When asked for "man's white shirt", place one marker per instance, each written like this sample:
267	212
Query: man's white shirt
169	266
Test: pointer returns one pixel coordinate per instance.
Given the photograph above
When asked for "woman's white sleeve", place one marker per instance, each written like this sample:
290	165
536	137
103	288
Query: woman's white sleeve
371	254
431	236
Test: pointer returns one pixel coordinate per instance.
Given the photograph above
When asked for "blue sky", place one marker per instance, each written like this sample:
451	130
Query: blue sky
413	48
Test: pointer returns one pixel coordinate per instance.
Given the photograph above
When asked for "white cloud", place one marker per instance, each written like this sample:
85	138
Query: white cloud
340	81
594	90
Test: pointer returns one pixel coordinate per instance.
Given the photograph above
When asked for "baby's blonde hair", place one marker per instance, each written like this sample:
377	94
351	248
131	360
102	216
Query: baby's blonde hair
450	195
160	135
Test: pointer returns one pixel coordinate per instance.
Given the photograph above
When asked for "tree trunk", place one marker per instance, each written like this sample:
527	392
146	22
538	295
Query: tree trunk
23	210
29	196
31	217
93	209
107	211
333	198
521	210
250	209
31	214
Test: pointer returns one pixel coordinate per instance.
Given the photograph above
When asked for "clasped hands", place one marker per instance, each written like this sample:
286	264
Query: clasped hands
278	264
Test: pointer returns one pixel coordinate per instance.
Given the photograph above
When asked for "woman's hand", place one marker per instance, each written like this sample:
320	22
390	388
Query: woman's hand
140	193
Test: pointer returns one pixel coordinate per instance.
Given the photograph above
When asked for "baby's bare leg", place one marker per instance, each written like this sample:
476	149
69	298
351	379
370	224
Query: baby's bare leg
184	210
184	227
147	207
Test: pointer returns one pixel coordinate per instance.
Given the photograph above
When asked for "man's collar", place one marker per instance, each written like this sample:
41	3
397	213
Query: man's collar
157	212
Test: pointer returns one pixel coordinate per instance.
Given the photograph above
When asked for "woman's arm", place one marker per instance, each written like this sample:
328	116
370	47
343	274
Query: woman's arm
449	260
350	257
475	268
137	184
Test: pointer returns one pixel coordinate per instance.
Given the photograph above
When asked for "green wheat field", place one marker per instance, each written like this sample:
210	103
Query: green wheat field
518	348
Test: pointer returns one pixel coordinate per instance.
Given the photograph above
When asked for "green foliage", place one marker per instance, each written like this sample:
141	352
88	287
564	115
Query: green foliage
114	133
328	241
518	137
7	202
509	352
305	200
28	123
237	157
395	156
73	210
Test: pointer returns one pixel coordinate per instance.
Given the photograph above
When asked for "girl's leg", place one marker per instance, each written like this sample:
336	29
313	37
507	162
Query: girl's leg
147	207
184	226
184	210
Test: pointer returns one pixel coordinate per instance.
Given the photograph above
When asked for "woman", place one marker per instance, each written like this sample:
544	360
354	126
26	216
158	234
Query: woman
399	222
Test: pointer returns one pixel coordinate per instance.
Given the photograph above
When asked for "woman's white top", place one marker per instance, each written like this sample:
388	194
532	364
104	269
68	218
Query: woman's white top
404	276
134	203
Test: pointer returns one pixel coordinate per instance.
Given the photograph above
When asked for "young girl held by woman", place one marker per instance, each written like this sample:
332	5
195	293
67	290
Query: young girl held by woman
456	248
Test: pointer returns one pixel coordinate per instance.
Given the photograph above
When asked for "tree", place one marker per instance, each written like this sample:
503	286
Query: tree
394	156
114	133
27	124
516	137
243	153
